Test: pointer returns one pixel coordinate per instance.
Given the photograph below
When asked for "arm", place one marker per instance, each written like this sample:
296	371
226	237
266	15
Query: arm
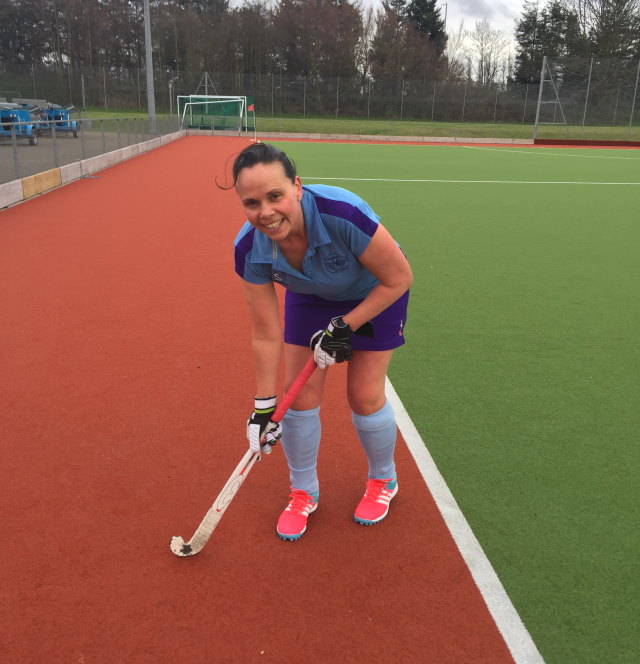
385	260
266	335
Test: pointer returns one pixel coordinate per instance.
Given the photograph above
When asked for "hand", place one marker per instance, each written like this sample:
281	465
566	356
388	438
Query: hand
262	431
333	344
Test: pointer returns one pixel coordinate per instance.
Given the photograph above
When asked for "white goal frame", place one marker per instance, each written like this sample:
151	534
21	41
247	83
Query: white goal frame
205	100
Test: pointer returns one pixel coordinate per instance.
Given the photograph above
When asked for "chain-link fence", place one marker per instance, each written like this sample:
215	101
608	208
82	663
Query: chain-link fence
579	93
277	94
576	93
21	155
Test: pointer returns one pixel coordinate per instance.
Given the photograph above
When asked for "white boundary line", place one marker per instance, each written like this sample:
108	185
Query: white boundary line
312	178
511	627
549	152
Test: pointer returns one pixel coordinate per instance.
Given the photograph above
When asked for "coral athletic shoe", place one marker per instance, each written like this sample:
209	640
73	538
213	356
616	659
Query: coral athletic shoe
293	521
375	504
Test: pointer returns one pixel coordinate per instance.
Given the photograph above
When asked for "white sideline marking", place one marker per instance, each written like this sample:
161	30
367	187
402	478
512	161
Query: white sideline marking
518	640
310	178
546	151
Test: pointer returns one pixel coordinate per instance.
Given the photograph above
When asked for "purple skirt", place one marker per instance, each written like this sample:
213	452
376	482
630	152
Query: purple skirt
304	315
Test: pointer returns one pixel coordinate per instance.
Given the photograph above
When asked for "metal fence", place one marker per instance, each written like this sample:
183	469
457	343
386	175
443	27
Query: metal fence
592	92
578	93
277	94
20	158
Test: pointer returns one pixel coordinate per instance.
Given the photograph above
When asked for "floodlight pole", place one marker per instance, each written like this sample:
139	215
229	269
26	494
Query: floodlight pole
148	61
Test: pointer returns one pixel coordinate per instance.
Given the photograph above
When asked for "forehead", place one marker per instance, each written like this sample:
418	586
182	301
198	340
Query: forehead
262	178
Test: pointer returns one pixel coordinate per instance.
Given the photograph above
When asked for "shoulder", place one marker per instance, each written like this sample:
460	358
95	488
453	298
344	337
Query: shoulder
250	254
244	240
345	205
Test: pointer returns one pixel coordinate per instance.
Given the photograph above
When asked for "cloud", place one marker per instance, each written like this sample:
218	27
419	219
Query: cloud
479	9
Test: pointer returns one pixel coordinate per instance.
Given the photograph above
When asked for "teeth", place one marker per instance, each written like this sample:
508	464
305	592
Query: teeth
274	225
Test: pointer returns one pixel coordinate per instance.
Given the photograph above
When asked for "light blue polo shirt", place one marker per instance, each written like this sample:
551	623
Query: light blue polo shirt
339	226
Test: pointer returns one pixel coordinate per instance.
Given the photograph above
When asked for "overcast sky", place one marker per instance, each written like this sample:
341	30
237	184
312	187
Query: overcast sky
499	13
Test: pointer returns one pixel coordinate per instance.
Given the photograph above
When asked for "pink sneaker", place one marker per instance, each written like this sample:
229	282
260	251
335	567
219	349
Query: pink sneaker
293	521
375	504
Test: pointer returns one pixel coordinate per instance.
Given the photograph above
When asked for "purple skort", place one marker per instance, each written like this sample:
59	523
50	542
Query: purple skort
304	315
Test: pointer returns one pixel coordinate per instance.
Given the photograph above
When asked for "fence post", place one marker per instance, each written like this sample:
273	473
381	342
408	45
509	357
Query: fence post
526	96
104	147
633	105
586	99
82	153
337	95
304	98
464	100
54	143
14	146
402	100
369	102
495	106
84	99
433	103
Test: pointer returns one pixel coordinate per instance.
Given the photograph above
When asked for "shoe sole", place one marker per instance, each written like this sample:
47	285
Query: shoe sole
366	522
293	538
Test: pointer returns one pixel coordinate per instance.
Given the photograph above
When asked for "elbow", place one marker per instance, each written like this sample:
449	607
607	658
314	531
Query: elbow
407	280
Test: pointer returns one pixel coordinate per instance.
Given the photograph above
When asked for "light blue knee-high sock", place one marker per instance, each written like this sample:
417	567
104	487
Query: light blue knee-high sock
300	442
377	434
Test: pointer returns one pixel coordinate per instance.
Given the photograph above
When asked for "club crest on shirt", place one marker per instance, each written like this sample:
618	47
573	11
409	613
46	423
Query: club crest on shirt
278	277
336	263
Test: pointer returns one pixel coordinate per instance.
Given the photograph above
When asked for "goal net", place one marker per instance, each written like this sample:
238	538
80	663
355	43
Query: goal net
215	112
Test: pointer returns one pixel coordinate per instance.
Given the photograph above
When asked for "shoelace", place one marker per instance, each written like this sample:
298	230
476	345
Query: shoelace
374	489
300	501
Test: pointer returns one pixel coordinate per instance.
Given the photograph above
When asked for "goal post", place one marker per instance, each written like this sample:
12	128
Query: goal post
215	112
587	98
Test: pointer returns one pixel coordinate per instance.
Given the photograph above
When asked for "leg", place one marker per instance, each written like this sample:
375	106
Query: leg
375	424
300	442
301	425
372	415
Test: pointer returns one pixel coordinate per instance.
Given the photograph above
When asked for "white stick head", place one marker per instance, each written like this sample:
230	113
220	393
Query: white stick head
180	547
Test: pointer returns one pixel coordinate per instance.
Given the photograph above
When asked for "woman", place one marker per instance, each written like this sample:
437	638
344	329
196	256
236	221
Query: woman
347	285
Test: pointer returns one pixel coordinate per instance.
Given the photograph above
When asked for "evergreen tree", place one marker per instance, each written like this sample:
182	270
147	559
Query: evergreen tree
426	18
528	61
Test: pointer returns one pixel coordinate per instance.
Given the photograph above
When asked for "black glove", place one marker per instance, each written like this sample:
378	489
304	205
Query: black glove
333	344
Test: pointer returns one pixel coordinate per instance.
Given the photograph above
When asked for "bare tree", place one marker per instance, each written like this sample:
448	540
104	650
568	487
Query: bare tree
454	55
486	49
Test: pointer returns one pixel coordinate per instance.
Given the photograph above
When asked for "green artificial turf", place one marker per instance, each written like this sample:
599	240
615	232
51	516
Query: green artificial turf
521	367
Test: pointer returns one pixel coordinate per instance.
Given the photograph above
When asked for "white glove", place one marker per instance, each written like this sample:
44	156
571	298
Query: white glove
262	431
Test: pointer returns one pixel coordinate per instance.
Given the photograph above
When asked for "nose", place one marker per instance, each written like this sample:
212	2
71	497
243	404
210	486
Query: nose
266	211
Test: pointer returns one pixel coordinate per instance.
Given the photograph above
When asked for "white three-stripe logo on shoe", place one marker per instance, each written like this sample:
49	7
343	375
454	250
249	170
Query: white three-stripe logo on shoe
385	497
304	511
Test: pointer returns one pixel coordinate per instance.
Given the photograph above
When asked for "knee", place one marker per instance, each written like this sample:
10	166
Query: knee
365	399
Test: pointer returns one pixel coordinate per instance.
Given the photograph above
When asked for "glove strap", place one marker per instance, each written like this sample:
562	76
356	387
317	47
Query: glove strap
264	405
338	329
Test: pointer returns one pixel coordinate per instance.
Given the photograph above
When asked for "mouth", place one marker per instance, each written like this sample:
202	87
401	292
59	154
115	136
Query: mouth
274	225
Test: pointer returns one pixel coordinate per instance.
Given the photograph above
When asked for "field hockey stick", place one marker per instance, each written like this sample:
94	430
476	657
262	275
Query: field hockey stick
213	516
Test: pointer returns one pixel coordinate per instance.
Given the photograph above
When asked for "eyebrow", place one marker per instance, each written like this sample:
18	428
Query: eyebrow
272	191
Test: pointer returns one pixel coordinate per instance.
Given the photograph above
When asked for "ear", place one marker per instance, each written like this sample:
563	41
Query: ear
298	188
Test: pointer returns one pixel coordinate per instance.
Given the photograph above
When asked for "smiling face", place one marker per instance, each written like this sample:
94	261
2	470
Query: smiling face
271	200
